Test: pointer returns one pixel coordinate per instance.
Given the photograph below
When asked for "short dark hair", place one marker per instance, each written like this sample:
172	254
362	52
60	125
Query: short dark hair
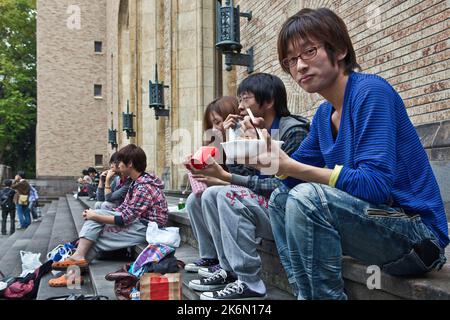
267	88
134	154
7	182
113	158
21	174
85	172
322	25
91	170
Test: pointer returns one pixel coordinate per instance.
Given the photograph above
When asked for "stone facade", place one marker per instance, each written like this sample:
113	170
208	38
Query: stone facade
405	42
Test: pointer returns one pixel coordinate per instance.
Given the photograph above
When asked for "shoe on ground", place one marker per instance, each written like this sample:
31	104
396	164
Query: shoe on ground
233	291
207	272
200	263
69	262
64	280
217	281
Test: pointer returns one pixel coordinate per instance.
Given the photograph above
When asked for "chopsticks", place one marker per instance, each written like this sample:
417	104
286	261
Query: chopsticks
258	130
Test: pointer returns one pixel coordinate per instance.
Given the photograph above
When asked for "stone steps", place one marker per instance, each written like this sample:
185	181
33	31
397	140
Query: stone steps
40	240
8	241
10	251
17	242
63	230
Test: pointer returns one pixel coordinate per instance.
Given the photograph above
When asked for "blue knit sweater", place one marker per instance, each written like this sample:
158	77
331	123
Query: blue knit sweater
384	161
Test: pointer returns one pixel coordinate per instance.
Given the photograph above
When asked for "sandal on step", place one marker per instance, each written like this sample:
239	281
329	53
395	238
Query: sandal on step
62	281
69	262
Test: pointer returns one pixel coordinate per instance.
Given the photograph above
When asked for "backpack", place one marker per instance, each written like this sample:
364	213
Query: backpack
6	199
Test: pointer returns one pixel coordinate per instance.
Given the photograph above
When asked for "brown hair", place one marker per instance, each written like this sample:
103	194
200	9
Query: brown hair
321	25
224	106
135	155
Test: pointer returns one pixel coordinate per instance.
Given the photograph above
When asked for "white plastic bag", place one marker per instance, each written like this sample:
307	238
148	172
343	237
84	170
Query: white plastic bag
30	262
169	236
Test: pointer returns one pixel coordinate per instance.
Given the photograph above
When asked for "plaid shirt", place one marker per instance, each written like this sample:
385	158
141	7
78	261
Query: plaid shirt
145	200
265	185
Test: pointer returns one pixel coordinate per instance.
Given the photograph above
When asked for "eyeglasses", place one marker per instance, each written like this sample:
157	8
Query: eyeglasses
308	54
245	98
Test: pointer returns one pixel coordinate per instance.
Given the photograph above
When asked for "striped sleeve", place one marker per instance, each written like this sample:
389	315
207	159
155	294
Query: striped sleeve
374	123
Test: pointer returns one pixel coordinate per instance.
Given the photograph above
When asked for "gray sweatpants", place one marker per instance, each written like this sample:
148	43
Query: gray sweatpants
105	205
111	237
204	226
235	219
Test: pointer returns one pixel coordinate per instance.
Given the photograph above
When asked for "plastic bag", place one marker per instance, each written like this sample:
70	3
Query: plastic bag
30	262
169	236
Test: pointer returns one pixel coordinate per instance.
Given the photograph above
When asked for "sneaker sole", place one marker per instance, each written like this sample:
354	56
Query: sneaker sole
203	297
205	288
191	269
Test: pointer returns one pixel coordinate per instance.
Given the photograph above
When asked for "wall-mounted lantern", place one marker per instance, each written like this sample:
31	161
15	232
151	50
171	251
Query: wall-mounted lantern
228	32
156	97
112	136
127	121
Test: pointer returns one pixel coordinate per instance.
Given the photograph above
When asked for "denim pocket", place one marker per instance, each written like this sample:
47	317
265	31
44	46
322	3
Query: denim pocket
388	213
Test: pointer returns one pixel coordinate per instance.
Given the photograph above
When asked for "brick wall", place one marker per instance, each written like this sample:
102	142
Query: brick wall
71	124
406	42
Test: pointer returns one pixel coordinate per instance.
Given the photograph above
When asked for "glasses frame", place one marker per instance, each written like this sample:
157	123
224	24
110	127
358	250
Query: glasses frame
287	61
245	98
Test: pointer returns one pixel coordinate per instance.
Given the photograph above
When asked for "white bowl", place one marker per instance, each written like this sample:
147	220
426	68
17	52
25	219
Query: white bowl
240	149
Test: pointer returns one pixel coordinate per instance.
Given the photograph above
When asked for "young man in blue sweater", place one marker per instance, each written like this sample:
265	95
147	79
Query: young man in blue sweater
360	184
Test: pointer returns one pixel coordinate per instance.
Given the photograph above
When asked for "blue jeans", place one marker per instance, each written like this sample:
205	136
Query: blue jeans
32	208
23	213
314	225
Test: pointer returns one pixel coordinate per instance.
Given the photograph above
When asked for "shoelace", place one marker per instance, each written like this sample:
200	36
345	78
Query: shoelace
235	287
219	274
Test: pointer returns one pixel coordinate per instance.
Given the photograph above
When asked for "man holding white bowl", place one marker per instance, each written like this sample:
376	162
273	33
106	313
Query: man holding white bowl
233	217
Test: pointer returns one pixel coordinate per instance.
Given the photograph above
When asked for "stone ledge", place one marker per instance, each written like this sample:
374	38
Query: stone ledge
434	285
434	135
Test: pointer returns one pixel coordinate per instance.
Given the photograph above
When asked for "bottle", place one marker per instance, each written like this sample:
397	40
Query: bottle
181	204
135	294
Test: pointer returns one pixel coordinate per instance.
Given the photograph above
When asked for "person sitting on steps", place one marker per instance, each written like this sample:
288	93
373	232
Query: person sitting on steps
124	226
112	187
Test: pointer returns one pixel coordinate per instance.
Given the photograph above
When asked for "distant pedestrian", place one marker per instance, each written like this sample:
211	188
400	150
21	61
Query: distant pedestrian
22	199
8	207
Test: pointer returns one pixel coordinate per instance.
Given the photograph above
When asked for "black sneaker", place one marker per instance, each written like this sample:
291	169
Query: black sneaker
217	281
200	263
233	291
207	272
